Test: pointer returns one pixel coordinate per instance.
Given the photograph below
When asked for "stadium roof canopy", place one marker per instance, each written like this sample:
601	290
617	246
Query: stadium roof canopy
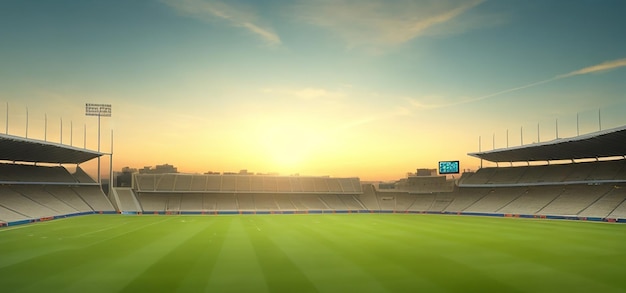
14	148
601	144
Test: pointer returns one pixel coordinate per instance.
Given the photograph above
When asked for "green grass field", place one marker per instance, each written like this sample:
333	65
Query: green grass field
312	253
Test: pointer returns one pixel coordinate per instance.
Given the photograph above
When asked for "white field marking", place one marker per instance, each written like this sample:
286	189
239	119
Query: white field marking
97	231
255	225
15	227
131	231
35	224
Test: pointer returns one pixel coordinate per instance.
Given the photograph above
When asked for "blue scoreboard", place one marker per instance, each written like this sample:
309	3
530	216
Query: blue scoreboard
449	167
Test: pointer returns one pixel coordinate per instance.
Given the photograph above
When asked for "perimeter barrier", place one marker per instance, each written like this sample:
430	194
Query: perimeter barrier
317	212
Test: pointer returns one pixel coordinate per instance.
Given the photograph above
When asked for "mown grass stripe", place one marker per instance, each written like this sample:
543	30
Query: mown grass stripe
324	253
55	270
280	273
237	268
196	254
425	271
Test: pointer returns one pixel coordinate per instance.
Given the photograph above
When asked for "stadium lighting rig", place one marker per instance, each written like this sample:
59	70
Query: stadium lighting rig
100	110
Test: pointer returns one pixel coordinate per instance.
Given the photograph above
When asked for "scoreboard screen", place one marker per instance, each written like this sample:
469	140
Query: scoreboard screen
449	167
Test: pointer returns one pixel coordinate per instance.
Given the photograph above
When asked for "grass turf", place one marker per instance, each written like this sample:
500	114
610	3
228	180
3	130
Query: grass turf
312	253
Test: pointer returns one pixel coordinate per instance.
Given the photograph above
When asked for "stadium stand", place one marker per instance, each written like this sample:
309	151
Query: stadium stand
65	194
81	176
193	202
33	173
295	184
243	193
209	203
214	183
270	184
125	200
589	187
266	202
351	202
229	183
93	196
587	182
173	204
608	203
243	183
8	215
494	200
619	212
554	174
39	195
226	202
151	202
35	186
245	202
198	182
284	203
23	205
369	198
422	202
283	184
574	199
307	184
333	202
166	182
441	201
466	197
532	200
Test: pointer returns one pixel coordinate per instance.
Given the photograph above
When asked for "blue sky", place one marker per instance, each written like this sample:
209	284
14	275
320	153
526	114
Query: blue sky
344	88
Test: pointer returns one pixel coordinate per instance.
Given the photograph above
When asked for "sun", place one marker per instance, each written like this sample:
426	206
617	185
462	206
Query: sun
289	147
288	155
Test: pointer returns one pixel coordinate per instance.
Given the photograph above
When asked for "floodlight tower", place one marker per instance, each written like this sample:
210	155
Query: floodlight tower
100	110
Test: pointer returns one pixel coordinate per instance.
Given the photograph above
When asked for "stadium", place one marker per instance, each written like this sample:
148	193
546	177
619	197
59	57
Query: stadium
312	146
548	224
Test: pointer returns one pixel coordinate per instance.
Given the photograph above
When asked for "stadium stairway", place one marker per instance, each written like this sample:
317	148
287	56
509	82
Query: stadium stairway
125	200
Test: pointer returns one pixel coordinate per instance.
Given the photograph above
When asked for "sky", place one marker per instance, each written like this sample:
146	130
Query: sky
366	88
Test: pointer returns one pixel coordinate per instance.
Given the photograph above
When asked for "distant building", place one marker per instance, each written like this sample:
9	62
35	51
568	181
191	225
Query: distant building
426	172
423	172
159	169
124	179
422	181
129	170
387	185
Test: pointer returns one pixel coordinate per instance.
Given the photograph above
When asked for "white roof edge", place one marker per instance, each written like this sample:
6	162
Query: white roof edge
55	144
552	142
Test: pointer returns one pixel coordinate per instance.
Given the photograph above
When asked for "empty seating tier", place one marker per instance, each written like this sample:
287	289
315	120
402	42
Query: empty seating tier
208	183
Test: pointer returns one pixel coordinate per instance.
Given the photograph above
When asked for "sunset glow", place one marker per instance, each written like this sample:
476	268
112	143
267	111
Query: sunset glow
369	88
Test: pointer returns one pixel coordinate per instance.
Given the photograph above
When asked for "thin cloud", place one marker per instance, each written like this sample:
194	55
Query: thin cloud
306	93
439	102
420	105
602	67
399	111
209	10
381	23
605	66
